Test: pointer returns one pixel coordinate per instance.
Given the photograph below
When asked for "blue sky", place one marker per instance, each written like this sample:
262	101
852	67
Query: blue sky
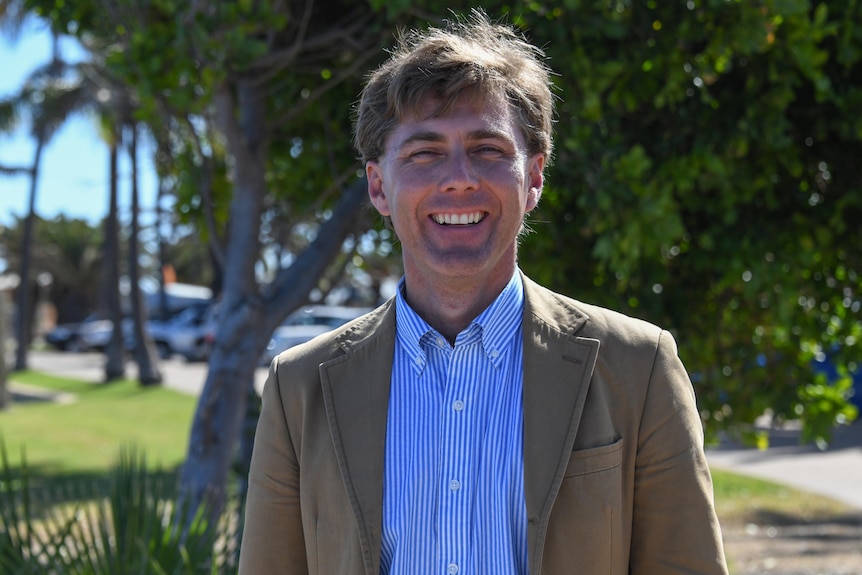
74	169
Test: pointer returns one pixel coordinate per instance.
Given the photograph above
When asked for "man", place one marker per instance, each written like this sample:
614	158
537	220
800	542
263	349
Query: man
476	423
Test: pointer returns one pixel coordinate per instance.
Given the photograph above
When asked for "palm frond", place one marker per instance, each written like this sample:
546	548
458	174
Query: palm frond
124	524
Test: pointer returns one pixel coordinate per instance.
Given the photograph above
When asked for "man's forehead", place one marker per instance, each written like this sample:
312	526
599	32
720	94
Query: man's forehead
433	106
492	118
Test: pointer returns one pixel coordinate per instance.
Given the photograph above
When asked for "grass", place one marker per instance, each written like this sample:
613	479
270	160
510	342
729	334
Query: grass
738	499
85	435
84	438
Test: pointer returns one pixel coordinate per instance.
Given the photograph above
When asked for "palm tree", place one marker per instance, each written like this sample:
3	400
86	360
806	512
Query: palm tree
4	392
145	352
48	98
115	364
46	117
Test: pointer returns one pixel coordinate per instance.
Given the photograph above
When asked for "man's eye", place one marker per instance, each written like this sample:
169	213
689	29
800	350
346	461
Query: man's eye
488	150
424	154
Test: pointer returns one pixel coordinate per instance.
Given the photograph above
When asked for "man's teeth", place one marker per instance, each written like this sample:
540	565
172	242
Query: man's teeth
458	219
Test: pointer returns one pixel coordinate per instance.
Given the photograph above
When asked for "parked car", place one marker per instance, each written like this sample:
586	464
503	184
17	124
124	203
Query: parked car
95	333
64	336
307	323
189	333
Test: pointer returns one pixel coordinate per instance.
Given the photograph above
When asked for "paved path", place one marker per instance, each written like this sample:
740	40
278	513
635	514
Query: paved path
835	472
178	374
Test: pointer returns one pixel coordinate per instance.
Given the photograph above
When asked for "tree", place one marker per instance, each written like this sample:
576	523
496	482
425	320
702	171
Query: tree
253	96
115	363
707	178
68	249
48	103
50	96
4	372
662	107
145	351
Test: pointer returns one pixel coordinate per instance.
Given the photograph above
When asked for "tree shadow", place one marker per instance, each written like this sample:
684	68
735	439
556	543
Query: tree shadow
46	490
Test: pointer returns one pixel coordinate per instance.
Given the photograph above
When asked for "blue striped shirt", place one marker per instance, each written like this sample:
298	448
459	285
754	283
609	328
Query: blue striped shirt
453	501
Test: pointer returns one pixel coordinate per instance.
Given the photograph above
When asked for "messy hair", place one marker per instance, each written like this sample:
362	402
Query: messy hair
472	56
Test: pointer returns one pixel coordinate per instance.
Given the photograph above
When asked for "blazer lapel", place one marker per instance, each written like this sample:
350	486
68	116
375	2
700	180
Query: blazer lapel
558	366
356	395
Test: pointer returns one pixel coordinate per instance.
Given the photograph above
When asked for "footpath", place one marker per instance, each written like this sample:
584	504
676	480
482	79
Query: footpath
835	472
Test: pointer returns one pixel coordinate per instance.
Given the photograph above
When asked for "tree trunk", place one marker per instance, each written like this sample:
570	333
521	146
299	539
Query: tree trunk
248	316
115	363
222	415
161	217
218	417
5	397
24	316
145	351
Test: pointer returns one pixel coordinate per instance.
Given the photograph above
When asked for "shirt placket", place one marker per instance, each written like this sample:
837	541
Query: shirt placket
457	470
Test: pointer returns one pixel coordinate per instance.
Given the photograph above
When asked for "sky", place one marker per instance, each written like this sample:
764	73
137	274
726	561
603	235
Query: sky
74	168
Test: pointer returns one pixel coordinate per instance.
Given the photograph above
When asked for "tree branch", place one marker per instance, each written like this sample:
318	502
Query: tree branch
15	170
343	74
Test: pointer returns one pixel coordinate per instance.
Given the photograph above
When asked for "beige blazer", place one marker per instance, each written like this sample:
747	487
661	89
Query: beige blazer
615	476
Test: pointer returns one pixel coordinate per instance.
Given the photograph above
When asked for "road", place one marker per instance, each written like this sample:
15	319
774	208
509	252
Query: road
178	374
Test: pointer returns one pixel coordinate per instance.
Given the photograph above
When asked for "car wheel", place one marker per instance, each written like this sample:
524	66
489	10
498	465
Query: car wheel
73	345
164	349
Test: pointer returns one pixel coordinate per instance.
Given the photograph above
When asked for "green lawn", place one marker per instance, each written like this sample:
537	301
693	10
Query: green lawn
738	498
85	435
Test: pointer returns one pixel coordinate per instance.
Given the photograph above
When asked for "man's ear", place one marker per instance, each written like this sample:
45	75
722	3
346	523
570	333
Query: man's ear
375	187
535	180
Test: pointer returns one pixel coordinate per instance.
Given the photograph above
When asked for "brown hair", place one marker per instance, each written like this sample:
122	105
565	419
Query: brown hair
465	56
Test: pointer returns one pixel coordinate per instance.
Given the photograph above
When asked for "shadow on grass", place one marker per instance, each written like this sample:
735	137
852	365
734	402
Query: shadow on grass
851	520
47	489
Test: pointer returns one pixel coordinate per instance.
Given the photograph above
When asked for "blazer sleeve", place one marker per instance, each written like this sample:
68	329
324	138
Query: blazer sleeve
273	541
675	528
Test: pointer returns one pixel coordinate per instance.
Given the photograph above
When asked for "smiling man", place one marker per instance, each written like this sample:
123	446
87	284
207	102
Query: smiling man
477	423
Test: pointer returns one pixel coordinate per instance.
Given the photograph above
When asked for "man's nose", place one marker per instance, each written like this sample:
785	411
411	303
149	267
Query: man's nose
460	173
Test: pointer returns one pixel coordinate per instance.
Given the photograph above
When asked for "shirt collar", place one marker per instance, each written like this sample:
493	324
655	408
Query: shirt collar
497	324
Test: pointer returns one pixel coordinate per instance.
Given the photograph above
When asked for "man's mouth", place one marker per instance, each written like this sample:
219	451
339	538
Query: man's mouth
458	219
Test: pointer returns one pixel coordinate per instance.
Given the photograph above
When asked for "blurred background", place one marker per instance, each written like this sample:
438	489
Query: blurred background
177	180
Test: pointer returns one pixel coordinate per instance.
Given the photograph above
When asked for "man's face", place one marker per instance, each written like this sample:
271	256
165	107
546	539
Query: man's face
457	188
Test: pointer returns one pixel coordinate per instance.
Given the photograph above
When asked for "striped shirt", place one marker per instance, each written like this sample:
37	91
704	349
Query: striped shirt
453	499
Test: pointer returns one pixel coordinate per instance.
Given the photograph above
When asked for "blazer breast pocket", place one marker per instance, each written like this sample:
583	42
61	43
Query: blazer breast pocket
585	528
595	459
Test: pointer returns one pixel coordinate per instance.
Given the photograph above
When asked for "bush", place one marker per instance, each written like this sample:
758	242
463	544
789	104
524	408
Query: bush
122	525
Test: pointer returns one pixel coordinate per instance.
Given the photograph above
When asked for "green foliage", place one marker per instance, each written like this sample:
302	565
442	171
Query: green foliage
707	178
119	525
706	173
68	251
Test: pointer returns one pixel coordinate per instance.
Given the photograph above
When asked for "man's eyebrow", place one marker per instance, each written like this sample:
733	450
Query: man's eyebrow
436	137
423	136
487	134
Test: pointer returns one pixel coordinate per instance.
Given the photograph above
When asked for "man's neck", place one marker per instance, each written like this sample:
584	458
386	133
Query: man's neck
449	307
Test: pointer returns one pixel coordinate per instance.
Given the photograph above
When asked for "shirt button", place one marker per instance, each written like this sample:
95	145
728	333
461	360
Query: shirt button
440	342
458	405
453	569
454	485
418	361
495	353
